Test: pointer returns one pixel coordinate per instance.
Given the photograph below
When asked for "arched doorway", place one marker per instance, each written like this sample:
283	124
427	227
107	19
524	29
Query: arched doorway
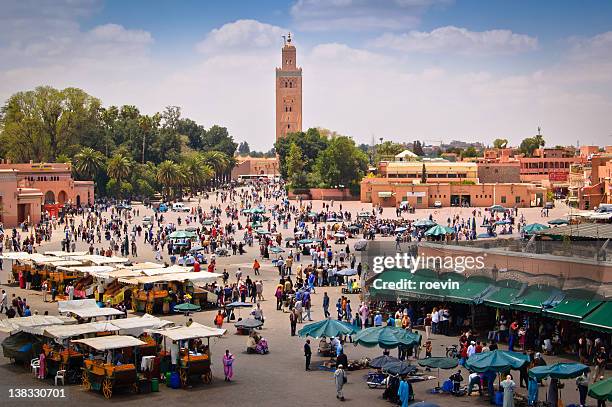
49	197
61	197
78	200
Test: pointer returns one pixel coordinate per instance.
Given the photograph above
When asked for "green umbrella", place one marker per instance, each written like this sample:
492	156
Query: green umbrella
497	208
534	227
207	222
186	307
387	337
182	234
439	230
305	241
262	232
328	328
559	221
424	223
439	363
558	371
258	210
276	250
497	361
601	390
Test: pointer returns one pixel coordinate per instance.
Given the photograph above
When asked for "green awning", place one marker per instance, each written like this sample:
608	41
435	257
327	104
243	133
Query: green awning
505	292
471	291
535	298
575	306
599	320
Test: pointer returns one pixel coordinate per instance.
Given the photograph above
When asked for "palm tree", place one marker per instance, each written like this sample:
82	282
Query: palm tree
217	160
88	162
196	171
168	176
118	167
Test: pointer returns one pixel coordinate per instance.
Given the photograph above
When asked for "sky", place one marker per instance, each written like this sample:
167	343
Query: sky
401	70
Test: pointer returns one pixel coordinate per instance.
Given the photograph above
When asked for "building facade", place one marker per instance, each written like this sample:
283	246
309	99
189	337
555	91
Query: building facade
28	190
288	92
436	171
253	167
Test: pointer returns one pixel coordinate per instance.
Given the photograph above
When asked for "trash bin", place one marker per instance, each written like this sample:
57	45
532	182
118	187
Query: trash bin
499	398
154	385
168	378
175	380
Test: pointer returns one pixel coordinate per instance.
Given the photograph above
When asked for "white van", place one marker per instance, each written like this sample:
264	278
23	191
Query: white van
179	207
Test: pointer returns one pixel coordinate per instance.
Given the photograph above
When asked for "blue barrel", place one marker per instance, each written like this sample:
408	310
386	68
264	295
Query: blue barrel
175	380
499	398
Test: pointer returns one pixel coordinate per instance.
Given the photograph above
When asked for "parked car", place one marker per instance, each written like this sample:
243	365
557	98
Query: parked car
179	207
437	204
147	221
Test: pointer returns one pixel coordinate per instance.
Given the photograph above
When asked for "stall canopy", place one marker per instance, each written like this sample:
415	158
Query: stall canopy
177	276
62	332
536	297
602	390
575	306
110	342
505	293
86	309
101	260
328	328
96	271
387	337
136	326
599	320
33	324
558	371
496	361
194	331
58	253
166	270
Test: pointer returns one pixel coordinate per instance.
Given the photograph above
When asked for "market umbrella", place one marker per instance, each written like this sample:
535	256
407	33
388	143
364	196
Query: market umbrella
503	222
534	227
484	236
361	245
276	250
399	368
364	214
400	229
439	363
289	239
497	361
262	232
601	390
497	208
387	337
327	328
248	323
207	222
353	228
238	304
347	272
340	235
191	229
559	221
380	361
437	230
186	307
258	210
423	223
558	371
305	241
182	234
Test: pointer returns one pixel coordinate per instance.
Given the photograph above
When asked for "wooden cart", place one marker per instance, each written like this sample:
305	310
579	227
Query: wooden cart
195	367
106	377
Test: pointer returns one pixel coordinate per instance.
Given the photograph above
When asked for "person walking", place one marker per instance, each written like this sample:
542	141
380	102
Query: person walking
228	369
256	267
293	321
326	305
582	383
340	379
4	303
307	353
508	385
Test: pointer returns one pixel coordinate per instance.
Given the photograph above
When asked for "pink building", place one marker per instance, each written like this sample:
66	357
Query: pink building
26	190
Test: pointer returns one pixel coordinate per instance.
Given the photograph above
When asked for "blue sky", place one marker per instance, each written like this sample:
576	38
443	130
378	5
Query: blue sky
398	69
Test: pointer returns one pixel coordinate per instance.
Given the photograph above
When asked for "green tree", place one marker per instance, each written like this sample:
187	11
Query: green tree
218	161
88	163
243	148
341	164
168	176
387	150
118	167
500	143
312	143
424	174
218	138
530	144
295	167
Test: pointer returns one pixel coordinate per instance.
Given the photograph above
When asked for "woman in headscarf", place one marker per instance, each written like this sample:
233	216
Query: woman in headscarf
228	369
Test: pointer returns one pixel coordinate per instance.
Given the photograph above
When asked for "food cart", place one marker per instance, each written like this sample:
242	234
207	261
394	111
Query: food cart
193	362
86	309
101	374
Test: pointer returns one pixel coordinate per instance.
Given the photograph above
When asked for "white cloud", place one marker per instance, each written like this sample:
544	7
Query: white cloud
598	47
359	15
243	35
457	40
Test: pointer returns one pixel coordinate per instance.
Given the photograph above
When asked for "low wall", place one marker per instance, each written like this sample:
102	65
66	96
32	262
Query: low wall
324	194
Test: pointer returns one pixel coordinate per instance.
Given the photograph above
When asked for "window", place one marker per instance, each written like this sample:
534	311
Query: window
289	108
290	84
517	199
419	199
503	199
288	126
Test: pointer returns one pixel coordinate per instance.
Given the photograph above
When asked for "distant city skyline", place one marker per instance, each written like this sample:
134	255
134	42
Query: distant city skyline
402	70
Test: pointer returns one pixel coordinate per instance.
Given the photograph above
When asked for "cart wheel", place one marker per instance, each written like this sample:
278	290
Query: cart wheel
107	388
135	388
207	377
86	383
184	377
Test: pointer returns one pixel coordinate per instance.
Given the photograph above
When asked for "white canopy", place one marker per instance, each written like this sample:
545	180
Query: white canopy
61	332
16	256
110	342
29	324
180	276
96	271
195	330
166	270
143	266
136	326
100	260
65	263
65	254
87	308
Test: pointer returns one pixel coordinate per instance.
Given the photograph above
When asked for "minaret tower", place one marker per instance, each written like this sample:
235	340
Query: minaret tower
288	92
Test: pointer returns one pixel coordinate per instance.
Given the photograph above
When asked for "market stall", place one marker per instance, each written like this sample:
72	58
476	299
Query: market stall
85	309
108	373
